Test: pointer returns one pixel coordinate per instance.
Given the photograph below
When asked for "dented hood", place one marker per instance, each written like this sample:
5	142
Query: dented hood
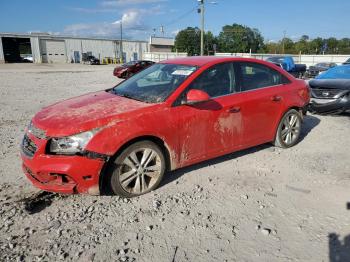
84	113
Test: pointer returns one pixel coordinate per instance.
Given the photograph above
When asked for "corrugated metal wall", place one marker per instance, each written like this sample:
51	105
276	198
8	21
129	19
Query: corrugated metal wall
34	42
2	59
134	47
98	48
105	48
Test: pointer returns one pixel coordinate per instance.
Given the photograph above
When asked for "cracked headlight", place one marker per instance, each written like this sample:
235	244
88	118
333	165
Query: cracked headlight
71	145
36	131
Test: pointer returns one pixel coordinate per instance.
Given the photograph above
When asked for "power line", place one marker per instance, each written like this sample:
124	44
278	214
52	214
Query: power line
181	17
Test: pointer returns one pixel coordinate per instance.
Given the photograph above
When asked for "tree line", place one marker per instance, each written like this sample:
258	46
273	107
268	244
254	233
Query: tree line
238	38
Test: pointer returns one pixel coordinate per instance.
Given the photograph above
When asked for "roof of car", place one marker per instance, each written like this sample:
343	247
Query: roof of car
202	60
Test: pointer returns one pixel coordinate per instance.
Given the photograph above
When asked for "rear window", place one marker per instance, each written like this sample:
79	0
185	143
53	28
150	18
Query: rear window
255	76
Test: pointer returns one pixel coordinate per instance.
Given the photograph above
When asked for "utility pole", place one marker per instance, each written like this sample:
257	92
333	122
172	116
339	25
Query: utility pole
201	3
121	41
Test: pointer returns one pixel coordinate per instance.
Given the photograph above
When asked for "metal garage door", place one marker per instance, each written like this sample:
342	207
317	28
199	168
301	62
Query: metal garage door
53	51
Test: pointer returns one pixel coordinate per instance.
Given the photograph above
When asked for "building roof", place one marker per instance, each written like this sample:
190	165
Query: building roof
51	36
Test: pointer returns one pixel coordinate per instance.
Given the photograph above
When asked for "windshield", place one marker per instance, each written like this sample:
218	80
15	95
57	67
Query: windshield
339	72
154	84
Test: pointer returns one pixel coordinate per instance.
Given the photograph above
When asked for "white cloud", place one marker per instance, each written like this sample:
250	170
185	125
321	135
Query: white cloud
134	21
133	24
131	19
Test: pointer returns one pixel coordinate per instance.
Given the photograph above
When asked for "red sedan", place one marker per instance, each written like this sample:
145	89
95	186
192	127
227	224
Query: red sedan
173	114
129	69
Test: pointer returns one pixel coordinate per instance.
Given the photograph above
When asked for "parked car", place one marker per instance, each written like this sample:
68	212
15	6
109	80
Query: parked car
330	91
315	70
173	114
28	59
287	63
127	70
91	60
347	62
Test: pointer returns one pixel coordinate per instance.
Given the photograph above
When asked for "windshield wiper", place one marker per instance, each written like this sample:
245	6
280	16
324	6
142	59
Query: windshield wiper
129	96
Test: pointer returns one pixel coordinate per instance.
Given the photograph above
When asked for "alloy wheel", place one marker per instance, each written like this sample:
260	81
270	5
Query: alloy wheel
290	129
140	170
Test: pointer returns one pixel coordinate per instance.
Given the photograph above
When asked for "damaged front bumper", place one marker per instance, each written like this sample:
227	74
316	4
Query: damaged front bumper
329	106
58	173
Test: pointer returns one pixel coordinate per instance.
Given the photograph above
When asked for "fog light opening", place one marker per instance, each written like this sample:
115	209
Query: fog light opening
62	178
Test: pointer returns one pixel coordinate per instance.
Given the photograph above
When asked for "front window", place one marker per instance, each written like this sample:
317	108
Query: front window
154	84
216	81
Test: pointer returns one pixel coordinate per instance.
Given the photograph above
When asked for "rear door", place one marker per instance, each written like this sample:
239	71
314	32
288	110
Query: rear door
261	101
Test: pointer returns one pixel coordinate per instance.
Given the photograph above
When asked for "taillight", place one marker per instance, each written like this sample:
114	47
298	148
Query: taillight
305	92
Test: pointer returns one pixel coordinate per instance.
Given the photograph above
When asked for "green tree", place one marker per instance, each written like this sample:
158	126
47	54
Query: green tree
188	40
332	45
305	38
209	41
287	46
344	46
315	46
240	39
273	48
302	45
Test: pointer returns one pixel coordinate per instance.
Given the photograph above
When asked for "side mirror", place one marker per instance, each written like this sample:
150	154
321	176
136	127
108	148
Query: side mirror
195	96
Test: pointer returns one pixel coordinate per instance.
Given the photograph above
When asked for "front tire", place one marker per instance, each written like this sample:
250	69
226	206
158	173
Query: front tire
289	129
138	169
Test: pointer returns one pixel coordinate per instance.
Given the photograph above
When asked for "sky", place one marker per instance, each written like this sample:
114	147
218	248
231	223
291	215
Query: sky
101	18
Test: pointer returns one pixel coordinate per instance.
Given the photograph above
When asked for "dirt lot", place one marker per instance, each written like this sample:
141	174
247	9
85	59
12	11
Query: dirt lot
262	204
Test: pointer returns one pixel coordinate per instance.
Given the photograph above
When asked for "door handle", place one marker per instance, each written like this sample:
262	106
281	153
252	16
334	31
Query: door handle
234	110
276	98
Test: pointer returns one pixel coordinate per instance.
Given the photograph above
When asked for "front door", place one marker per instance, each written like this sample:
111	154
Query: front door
211	128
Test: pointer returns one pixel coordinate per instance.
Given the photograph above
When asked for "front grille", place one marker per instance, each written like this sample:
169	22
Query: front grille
325	93
28	146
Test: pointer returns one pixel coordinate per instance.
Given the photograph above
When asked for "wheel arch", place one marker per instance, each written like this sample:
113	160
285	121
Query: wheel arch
295	107
158	141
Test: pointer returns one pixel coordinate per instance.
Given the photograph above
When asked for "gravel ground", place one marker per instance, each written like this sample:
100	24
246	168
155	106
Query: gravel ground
261	204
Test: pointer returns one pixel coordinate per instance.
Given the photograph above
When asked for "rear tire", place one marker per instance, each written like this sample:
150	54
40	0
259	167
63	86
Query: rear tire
289	129
137	170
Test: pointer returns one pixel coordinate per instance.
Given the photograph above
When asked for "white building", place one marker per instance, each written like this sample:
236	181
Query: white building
161	44
46	48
